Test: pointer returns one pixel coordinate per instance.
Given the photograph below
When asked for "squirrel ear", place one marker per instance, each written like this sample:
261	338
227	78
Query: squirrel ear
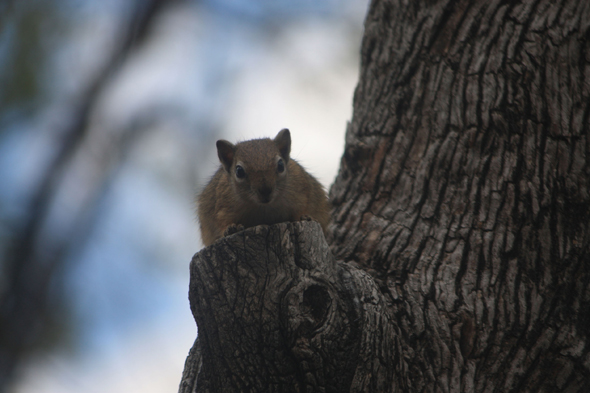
226	152
283	142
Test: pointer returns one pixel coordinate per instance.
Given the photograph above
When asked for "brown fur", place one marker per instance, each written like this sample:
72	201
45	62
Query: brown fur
290	195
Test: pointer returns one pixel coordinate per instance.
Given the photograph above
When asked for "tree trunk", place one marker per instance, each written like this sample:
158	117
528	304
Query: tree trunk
463	191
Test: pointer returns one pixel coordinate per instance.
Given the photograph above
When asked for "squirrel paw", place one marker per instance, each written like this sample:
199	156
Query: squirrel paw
306	218
233	228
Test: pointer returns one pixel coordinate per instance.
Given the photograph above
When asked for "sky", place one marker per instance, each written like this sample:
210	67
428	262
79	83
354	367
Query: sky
231	69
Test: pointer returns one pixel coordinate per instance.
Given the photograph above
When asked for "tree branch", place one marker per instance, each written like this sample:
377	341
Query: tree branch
277	312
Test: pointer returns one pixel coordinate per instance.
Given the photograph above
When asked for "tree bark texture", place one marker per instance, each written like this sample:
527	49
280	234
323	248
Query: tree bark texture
277	313
464	190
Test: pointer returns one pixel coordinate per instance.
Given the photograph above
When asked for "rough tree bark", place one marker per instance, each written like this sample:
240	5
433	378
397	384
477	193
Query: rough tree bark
277	313
463	190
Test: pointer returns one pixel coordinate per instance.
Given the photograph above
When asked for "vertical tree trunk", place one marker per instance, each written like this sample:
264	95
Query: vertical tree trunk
464	188
464	192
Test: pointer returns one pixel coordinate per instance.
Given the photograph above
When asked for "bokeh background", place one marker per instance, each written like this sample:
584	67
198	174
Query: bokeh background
109	110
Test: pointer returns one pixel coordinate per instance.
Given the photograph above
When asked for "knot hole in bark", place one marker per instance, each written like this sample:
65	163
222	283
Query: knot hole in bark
307	309
316	300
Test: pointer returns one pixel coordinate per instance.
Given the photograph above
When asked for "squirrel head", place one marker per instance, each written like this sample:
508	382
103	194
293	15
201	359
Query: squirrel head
257	169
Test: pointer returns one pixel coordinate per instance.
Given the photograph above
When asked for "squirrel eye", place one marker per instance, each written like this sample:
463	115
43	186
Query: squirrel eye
240	172
280	166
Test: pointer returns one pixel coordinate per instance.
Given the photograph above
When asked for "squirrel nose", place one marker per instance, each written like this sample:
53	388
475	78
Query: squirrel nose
264	193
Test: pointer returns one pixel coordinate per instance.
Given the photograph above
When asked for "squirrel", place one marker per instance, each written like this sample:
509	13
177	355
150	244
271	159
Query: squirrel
259	184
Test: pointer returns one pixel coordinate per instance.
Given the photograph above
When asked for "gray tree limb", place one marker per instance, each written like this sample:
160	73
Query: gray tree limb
277	313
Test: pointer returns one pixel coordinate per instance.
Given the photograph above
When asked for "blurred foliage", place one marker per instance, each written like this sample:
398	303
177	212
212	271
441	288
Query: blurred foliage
32	315
28	29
